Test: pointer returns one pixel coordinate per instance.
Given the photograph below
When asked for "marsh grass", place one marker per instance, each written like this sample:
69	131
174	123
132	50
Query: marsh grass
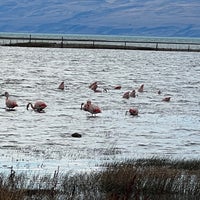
141	179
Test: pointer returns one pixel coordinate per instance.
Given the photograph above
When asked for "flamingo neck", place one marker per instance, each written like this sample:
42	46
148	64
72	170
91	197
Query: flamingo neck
30	104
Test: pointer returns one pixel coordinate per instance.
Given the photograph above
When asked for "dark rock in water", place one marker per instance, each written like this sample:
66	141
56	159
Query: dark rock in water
78	135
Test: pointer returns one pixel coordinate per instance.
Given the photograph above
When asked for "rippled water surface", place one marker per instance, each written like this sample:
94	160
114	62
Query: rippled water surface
42	141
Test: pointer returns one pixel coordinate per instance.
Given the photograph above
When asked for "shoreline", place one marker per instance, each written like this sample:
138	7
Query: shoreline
95	46
100	43
129	179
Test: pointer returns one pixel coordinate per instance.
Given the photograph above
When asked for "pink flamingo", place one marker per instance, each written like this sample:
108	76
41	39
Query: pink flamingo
141	88
61	86
93	86
126	95
10	104
38	106
89	107
167	99
118	87
133	111
132	94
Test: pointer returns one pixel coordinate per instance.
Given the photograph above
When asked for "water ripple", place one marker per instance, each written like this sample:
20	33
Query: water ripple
161	128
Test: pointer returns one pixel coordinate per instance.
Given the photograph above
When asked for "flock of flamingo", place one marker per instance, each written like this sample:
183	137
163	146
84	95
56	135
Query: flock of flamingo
94	109
39	106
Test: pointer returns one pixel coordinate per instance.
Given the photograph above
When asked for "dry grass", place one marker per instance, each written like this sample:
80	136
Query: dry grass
148	178
142	179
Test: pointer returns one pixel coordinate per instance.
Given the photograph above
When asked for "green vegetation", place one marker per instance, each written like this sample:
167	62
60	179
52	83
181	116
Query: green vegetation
141	179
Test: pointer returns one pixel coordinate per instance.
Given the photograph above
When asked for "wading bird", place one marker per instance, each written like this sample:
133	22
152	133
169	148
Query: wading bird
39	106
126	95
61	86
132	111
117	87
167	99
93	86
10	104
89	107
132	94
141	88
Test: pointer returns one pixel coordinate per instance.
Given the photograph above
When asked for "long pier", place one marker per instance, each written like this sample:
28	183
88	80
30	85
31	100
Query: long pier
55	42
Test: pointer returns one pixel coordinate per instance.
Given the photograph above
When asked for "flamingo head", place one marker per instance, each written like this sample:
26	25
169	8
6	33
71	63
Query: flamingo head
89	102
82	104
6	94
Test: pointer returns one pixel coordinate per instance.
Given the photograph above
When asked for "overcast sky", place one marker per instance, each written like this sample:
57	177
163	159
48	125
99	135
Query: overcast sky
126	17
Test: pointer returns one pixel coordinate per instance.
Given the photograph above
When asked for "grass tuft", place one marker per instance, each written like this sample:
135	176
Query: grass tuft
144	179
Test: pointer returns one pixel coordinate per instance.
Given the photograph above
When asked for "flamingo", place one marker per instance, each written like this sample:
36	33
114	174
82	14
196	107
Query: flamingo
132	94
38	106
141	88
61	86
10	104
167	99
159	92
93	86
126	95
89	107
132	111
117	87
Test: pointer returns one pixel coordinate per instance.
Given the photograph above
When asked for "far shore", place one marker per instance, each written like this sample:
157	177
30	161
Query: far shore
95	46
100	43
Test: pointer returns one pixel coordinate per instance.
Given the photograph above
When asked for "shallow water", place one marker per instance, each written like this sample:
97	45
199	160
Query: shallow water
42	142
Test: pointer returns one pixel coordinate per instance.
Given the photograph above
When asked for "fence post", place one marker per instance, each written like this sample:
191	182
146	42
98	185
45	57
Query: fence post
30	39
188	47
62	42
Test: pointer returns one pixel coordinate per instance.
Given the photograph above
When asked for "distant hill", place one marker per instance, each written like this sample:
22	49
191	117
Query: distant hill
180	18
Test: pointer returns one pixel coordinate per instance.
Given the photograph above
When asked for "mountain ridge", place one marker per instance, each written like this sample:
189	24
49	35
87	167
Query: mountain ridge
107	17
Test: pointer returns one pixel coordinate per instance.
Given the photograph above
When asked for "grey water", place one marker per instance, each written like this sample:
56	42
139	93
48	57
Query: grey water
41	142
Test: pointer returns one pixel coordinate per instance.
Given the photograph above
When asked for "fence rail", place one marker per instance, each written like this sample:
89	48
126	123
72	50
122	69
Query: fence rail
97	43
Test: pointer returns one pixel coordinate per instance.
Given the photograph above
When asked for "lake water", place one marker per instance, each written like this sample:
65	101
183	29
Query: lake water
42	142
